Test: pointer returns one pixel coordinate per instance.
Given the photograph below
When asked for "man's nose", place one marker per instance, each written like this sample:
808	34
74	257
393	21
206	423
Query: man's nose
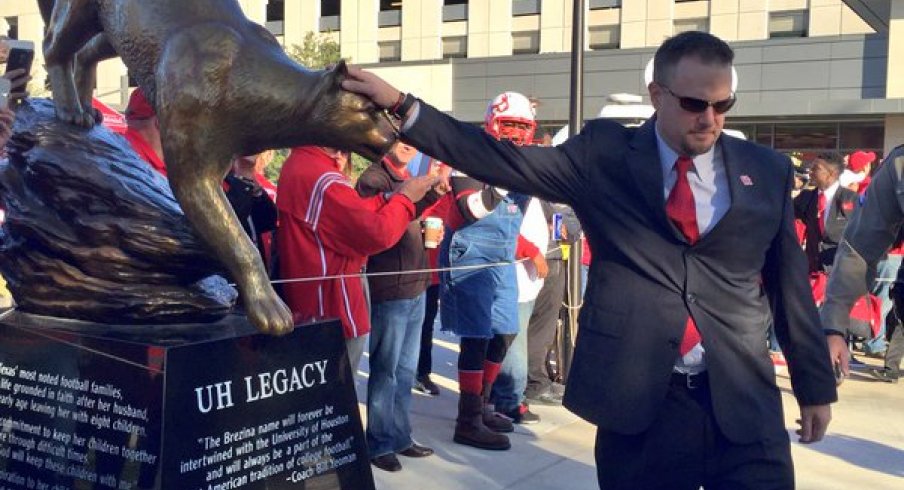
708	117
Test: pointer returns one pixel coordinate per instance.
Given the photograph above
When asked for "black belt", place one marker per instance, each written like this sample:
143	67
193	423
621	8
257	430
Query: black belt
690	381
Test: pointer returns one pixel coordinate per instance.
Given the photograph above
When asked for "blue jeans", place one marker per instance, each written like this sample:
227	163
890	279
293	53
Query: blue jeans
395	337
508	390
886	271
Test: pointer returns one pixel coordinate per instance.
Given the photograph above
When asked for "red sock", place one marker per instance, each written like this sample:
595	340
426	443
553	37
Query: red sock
470	382
490	372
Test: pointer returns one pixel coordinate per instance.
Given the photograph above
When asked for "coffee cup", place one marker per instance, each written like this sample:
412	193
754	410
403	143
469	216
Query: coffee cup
433	230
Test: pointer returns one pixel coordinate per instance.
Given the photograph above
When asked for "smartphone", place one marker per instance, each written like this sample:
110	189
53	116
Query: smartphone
5	88
21	55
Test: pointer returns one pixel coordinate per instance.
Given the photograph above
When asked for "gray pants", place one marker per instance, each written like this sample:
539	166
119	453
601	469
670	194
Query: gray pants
541	331
355	348
895	351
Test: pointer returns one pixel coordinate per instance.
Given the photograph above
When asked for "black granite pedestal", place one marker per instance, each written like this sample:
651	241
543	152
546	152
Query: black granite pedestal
191	407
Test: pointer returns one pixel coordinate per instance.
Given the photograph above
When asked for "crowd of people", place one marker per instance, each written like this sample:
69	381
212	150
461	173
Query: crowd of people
680	314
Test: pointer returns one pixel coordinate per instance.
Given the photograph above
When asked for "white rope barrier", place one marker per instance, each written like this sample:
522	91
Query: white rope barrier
402	273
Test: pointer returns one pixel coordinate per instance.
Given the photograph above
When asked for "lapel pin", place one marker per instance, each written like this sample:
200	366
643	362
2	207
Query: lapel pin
746	180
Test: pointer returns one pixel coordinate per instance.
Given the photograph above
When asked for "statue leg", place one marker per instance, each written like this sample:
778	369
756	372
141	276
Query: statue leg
98	49
195	117
72	24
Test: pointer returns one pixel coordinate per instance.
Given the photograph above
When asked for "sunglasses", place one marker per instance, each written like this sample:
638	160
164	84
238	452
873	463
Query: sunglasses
698	106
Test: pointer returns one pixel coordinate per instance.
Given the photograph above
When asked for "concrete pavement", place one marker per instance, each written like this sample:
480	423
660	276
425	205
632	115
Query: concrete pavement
863	449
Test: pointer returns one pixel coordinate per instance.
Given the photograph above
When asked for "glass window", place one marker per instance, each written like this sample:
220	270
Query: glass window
763	134
390	50
806	137
455	10
525	7
276	16
791	23
684	25
13	23
526	42
605	37
604	4
390	13
329	15
276	10
455	47
866	135
329	8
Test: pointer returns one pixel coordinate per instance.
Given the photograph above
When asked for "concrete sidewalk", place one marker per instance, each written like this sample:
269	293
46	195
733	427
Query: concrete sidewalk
864	447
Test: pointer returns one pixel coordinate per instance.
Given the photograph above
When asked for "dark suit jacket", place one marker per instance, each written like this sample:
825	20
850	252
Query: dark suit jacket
820	249
645	278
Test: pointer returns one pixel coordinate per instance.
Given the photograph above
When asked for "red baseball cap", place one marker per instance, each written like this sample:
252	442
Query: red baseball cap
139	107
858	160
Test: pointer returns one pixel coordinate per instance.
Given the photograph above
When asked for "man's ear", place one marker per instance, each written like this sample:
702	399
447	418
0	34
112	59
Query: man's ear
656	94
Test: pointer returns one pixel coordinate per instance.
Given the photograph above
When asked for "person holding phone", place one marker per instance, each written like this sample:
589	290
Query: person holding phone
17	81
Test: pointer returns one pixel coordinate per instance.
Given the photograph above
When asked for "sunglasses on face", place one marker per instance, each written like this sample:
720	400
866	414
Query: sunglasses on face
697	106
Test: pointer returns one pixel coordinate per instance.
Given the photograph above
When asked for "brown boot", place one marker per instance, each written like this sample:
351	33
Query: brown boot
469	427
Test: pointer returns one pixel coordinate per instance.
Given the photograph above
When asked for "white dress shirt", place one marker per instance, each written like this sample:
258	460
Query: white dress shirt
712	197
830	195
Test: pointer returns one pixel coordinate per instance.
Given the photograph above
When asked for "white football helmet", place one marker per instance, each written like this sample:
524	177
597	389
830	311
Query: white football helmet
510	116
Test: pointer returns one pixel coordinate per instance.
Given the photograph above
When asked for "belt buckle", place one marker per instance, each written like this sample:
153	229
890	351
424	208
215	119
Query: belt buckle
689	380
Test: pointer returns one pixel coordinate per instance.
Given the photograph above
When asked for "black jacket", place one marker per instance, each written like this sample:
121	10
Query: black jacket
645	278
408	254
820	248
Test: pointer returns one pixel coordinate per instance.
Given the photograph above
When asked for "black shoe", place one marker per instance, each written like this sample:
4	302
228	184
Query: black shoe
857	365
415	450
387	462
522	415
426	386
547	398
887	375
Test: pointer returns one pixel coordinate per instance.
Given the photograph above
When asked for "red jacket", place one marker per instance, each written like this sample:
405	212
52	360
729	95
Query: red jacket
326	229
144	150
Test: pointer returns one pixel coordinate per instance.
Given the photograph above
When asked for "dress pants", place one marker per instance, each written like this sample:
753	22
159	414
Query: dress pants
425	358
684	450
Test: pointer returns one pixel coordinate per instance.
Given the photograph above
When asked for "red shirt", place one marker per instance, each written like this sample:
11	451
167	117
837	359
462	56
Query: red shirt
326	228
144	150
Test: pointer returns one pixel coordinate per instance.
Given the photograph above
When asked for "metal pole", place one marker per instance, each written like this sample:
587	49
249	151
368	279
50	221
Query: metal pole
576	106
575	123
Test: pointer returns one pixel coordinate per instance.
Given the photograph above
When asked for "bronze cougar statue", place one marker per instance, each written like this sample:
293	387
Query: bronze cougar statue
222	86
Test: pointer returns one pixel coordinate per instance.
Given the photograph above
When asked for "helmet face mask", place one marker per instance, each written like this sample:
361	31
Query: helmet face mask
510	116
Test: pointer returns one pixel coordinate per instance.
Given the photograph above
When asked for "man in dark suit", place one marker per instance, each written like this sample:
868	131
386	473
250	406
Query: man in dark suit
824	210
692	237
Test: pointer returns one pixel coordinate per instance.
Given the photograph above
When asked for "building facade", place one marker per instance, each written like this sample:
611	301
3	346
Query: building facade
813	74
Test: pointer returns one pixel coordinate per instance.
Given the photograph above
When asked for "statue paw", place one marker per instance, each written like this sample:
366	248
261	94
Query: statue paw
77	117
269	314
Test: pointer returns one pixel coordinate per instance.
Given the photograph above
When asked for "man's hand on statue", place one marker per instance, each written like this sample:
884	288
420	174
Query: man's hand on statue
19	81
416	188
371	86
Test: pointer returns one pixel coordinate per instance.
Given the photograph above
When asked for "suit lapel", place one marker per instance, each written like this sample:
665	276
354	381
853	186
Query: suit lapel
643	160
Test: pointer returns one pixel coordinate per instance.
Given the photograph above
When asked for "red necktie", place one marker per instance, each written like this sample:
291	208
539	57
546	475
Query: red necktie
682	210
821	212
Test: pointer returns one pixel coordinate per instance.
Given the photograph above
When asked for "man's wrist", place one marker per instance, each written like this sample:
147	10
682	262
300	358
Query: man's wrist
831	331
403	105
